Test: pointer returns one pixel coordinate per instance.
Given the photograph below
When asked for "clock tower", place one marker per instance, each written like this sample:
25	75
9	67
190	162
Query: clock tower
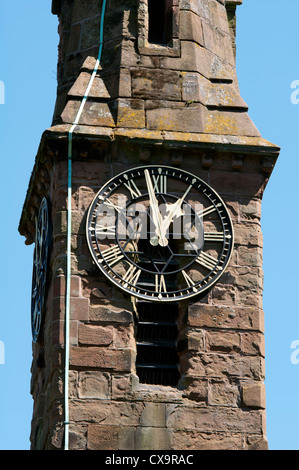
144	205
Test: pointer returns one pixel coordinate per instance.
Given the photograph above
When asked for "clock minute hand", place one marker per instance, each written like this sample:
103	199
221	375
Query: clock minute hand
157	219
174	210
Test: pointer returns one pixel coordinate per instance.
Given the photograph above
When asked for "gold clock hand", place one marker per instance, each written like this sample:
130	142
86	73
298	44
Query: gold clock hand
157	219
174	211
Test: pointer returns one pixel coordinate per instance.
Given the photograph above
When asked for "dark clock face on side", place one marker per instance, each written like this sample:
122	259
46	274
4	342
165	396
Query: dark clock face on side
159	233
40	261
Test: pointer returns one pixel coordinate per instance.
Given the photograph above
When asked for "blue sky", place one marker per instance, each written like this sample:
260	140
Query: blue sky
267	64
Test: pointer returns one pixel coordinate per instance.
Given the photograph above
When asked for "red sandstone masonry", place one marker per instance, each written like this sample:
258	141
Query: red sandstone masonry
220	400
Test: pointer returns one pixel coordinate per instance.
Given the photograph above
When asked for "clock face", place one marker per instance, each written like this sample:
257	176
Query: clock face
159	233
40	261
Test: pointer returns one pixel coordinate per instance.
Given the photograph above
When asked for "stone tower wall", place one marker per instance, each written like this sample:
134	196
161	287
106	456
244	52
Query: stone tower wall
176	106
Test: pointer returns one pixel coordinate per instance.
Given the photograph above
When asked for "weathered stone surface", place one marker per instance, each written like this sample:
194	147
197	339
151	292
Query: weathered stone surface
188	119
229	123
219	365
224	95
224	393
156	84
195	87
223	341
148	438
94	384
130	113
95	114
254	395
98	89
93	357
215	316
191	27
191	340
194	440
154	415
195	389
106	412
257	444
111	314
95	335
212	420
102	437
121	385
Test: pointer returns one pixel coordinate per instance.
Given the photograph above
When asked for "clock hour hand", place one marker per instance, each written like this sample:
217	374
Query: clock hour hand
157	219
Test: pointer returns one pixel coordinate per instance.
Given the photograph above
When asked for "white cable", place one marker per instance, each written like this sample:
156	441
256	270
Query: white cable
69	232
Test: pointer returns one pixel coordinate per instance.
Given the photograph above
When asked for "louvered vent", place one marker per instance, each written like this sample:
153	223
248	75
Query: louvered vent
157	359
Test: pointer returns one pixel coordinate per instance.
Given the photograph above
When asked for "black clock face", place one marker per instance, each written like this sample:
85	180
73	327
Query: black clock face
40	260
159	233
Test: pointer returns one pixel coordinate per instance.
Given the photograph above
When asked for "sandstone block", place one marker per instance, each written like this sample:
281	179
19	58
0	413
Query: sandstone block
192	340
253	343
195	389
153	415
130	113
202	315
59	286
94	114
102	437
223	393
94	384
93	357
191	27
223	341
258	444
229	123
79	308
148	438
239	184
121	385
219	365
106	412
98	89
194	87
156	84
254	396
199	441
95	335
228	420
106	313
189	119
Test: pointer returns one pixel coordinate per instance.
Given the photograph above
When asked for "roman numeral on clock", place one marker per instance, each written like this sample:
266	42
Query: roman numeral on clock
189	281
131	186
160	283
207	261
105	230
214	236
132	275
112	255
110	204
160	183
208	210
